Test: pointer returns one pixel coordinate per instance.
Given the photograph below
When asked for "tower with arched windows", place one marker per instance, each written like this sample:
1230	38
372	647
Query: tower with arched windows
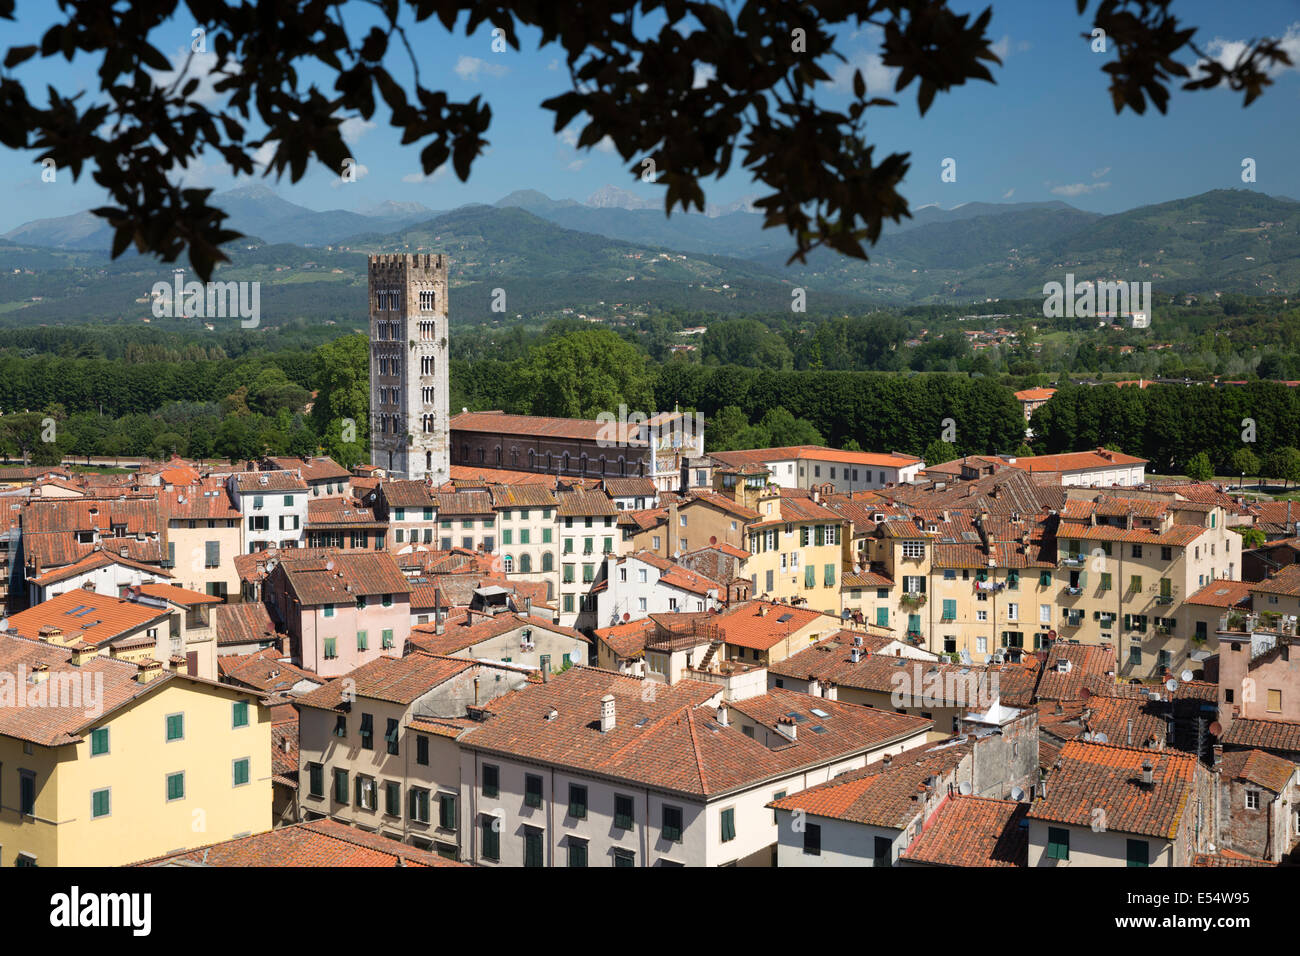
409	433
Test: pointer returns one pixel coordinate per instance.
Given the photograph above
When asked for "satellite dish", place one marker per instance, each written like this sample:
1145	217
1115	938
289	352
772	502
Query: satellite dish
964	788
1100	738
1016	793
329	565
1185	676
1216	728
626	617
713	539
1171	685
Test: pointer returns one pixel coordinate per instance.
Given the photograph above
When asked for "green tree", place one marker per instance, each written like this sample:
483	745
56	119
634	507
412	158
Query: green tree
1245	462
1285	464
583	374
1199	467
937	452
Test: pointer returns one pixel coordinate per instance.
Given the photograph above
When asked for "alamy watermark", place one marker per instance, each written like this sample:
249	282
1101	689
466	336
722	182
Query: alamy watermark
1090	299
61	689
664	430
208	300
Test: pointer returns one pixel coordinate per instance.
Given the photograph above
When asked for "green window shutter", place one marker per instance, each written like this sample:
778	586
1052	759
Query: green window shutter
239	713
1083	579
176	786
914	623
577	852
390	734
491	780
728	825
828	579
316	776
447	811
363	641
532	847
1045	579
99	803
507	536
1058	843
810	576
241	772
577	801
175	726
546	536
341	786
331	649
393	798
491	840
803	536
882	616
949	609
388	637
99	741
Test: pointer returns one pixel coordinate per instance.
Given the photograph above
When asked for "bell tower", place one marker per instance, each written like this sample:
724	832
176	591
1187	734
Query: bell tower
409	427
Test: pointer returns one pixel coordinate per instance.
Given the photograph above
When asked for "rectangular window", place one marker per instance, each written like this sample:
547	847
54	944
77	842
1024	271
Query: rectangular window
386	638
533	847
882	852
239	713
622	812
447	811
491	780
340	786
316	780
532	790
393	798
363	641
1058	843
176	786
100	803
390	734
239	772
812	839
577	852
1138	853
331	648
672	824
419	809
175	727
577	801
99	741
949	609
422	750
728	821
367	732
491	838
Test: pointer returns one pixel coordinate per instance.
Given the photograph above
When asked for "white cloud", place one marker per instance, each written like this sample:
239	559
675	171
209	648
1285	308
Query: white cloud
1226	52
1078	189
1002	48
703	73
354	127
1098	173
879	78
432	177
469	68
1009	193
200	68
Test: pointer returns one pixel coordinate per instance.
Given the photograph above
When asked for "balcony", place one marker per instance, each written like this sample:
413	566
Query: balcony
1073	590
1073	560
1073	621
1165	599
913	599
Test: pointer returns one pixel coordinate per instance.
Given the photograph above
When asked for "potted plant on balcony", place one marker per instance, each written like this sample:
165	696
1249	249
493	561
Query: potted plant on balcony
912	599
1236	621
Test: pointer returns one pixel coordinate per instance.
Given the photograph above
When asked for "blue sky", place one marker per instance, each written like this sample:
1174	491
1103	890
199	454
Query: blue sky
1046	130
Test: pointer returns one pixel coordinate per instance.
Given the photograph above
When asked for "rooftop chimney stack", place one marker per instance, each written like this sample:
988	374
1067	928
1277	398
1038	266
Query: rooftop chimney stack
607	713
724	718
1147	776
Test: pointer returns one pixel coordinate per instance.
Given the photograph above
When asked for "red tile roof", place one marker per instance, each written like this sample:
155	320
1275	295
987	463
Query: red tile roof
314	843
973	831
1093	777
1255	766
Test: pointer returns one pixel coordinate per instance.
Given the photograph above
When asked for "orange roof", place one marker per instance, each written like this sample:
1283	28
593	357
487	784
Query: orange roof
1076	461
178	595
1221	593
98	617
746	625
1035	394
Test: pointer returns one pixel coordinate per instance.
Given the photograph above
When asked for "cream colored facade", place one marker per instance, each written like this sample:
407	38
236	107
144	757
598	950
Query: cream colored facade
203	551
530	546
141	821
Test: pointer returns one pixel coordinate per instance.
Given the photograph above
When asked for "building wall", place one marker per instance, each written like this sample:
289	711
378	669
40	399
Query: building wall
310	627
142	822
191	570
1266	832
1092	848
779	560
287	508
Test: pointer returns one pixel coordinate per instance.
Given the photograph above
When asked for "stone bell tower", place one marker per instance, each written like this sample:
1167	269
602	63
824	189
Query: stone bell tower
409	430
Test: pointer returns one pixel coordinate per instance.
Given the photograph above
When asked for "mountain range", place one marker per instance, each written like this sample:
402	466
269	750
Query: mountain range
554	254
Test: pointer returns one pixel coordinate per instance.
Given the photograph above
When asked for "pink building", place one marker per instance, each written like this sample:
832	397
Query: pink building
341	610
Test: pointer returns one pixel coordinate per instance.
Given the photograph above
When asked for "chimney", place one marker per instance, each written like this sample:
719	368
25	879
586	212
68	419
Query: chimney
528	606
147	671
1218	756
1128	731
1147	776
546	669
786	728
724	717
81	652
762	610
182	666
887	761
40	673
855	654
607	713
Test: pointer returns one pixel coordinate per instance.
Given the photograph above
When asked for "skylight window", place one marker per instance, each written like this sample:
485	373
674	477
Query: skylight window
819	713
